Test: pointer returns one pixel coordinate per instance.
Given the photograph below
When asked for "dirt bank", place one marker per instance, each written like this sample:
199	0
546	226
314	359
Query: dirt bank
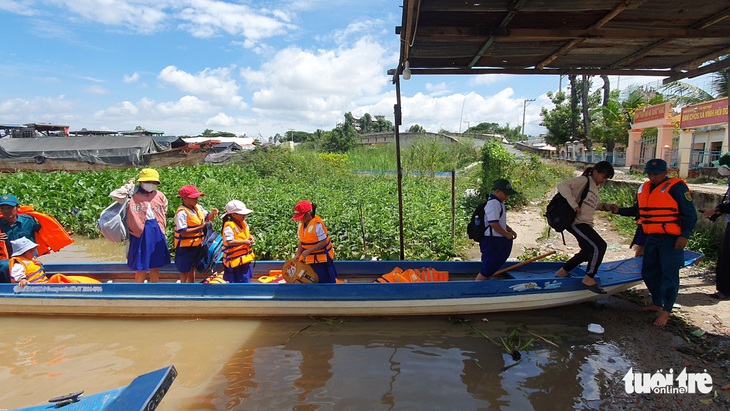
697	336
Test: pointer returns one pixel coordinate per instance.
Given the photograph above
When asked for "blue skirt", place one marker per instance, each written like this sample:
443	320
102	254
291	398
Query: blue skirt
150	250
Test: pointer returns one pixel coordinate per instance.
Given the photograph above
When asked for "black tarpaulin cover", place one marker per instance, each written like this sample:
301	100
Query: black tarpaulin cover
100	150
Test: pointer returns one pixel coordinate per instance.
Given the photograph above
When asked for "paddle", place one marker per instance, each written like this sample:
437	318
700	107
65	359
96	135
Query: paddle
520	264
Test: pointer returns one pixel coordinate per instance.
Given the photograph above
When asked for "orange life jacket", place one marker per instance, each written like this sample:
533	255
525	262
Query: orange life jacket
196	218
34	272
72	279
308	239
399	276
658	211
233	256
52	236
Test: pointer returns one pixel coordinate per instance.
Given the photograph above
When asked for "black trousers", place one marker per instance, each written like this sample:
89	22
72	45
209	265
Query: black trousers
592	249
722	271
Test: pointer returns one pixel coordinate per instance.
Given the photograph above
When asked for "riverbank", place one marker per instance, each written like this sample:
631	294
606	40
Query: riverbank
697	336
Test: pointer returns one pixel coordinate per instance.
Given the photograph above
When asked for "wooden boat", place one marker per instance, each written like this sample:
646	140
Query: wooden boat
143	393
532	286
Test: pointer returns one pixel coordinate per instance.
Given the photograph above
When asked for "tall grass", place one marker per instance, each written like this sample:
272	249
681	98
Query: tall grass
427	155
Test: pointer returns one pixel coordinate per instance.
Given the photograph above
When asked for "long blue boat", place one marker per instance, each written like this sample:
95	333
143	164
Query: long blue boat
143	393
530	286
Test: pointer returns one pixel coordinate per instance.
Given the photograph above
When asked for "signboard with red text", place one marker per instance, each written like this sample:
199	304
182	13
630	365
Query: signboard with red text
704	114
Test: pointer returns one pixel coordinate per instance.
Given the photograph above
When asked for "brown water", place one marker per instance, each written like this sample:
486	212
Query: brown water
425	363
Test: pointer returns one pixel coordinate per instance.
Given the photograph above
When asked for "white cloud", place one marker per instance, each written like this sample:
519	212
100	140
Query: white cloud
144	16
318	86
207	18
97	90
39	109
18	7
131	78
123	109
215	85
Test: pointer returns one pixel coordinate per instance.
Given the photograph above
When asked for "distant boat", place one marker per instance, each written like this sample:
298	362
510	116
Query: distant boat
143	393
95	153
528	287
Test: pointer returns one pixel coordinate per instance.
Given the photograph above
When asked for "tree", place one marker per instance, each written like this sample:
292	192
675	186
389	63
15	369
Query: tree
210	133
557	121
340	139
416	129
383	125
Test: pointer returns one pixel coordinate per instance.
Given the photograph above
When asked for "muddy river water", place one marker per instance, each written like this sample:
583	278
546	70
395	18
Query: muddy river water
426	363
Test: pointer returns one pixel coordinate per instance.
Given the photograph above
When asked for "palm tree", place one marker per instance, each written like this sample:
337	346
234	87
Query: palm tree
683	94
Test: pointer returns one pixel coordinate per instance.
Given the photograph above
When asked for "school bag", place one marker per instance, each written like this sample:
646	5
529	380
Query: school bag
476	227
560	215
211	250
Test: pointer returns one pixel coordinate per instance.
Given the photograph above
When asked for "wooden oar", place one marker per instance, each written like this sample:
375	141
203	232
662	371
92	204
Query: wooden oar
520	264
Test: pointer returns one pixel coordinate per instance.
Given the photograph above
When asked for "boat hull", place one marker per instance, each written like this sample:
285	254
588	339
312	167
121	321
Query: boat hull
143	393
531	287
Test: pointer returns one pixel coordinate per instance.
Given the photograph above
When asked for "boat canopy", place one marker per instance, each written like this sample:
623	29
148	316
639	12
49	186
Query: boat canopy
96	150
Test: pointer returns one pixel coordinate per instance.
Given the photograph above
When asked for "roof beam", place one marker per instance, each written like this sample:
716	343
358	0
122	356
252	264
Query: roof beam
514	9
600	23
548	71
710	68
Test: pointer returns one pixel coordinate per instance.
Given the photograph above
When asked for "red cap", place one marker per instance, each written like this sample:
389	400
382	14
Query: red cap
189	192
300	209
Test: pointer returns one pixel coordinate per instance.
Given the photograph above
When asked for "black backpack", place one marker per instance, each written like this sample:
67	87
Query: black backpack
560	215
476	227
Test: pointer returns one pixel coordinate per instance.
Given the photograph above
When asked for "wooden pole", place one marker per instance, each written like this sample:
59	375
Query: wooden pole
512	267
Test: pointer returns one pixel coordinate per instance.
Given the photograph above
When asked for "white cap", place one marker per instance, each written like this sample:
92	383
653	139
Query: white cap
237	207
22	245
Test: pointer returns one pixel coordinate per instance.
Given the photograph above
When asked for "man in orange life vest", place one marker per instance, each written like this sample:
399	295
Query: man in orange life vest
12	227
667	215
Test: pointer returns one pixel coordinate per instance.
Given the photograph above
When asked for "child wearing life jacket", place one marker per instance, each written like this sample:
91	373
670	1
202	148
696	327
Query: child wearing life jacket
315	247
237	242
24	267
190	220
13	225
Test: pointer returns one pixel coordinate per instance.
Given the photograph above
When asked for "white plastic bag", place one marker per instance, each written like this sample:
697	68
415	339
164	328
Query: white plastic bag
113	223
113	220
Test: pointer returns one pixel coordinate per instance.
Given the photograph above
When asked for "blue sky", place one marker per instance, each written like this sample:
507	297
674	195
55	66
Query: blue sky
254	67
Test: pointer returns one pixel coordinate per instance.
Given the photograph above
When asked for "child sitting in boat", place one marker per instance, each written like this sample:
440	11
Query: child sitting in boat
25	267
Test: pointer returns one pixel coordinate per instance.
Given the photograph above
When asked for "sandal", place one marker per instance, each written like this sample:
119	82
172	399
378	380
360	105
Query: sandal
595	288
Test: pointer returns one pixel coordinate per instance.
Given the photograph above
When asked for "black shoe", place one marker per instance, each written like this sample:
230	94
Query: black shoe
595	288
719	296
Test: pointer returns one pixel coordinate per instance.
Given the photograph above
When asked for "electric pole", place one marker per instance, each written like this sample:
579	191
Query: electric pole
524	108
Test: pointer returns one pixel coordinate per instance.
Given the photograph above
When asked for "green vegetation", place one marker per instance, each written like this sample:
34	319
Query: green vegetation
530	176
360	211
